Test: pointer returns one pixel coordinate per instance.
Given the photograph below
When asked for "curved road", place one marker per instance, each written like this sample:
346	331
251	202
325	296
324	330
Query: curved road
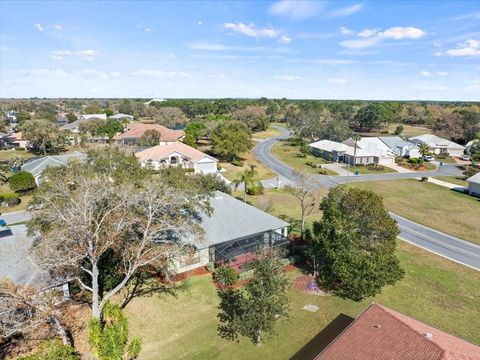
442	244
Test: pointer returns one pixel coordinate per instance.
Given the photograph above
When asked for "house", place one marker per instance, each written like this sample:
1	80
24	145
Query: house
474	185
93	116
438	145
121	117
338	152
134	131
469	145
400	147
74	126
16	140
382	333
177	154
233	231
373	145
61	121
36	166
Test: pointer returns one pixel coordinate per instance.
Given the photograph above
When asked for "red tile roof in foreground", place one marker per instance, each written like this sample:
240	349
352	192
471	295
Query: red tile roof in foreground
380	333
136	130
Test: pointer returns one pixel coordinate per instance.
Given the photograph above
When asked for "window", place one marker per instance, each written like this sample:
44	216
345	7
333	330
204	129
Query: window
173	160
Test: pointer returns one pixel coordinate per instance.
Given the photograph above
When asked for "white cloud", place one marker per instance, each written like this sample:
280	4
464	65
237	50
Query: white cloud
296	9
425	73
58	27
346	31
116	75
39	27
284	40
207	46
442	73
359	43
160	74
251	30
287	77
200	23
92	74
88	55
400	32
365	33
337	81
41	73
470	47
147	30
346	11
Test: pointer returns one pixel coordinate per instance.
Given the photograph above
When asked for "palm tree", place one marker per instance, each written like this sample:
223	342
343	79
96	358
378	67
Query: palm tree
16	162
356	138
247	178
4	172
424	149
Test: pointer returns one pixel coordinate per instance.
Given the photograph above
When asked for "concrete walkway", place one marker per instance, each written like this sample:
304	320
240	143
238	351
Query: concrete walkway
398	168
446	184
338	168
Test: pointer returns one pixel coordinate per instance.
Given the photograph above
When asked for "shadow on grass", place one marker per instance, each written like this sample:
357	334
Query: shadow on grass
315	346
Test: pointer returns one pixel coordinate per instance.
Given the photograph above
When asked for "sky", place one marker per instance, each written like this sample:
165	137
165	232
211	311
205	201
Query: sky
396	50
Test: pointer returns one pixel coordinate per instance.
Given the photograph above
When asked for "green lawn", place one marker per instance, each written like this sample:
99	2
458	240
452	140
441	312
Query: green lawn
288	154
6	155
369	170
184	327
432	205
269	133
459	180
446	160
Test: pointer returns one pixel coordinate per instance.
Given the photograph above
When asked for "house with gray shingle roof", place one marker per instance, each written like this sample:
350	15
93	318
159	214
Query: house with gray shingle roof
400	147
233	231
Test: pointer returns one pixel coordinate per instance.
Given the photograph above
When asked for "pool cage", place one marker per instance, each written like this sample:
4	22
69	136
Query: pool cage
236	253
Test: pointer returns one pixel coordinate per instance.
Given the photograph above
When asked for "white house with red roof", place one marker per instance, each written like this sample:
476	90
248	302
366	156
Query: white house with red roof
134	131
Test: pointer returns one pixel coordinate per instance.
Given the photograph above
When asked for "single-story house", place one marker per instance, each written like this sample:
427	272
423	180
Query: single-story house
61	121
400	147
338	152
93	116
474	185
177	154
36	166
16	140
373	145
74	126
438	145
134	131
121	117
233	231
383	333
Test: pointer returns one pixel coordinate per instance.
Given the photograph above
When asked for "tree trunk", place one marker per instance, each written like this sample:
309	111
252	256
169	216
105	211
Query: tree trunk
244	192
302	229
61	331
96	310
258	341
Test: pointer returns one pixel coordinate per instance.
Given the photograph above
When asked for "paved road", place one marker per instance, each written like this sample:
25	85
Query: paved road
427	238
16	217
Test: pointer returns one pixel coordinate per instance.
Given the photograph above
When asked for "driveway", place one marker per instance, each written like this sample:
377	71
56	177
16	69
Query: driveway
439	243
16	217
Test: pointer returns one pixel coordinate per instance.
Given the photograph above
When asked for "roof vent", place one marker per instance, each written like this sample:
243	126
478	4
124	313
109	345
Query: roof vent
429	336
377	326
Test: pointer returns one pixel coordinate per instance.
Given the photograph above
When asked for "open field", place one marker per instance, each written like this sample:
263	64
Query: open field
408	131
432	205
269	133
184	327
367	170
287	153
459	180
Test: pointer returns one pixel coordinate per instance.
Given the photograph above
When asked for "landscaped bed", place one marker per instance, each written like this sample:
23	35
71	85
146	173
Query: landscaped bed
185	326
369	169
415	164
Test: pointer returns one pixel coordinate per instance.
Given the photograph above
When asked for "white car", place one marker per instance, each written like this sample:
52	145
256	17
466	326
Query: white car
428	158
465	158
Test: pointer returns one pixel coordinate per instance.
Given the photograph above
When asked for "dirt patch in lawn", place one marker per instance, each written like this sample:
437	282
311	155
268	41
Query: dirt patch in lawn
303	282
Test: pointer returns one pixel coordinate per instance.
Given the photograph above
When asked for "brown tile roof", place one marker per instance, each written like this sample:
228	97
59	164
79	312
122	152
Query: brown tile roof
380	333
136	130
160	152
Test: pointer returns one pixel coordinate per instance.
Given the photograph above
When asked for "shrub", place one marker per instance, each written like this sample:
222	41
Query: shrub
424	179
237	163
52	350
285	262
226	276
399	130
322	171
211	266
414	161
301	155
19	149
255	189
246	275
22	181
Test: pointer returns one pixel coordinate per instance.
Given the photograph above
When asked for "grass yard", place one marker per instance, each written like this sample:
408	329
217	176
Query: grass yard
287	153
6	155
432	205
184	327
459	180
369	169
410	130
267	134
446	159
425	166
233	171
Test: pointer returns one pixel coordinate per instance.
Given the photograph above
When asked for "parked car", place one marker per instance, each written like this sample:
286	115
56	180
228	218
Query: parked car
465	158
428	158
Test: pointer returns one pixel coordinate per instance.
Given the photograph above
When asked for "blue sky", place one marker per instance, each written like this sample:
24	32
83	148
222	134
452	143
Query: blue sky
294	49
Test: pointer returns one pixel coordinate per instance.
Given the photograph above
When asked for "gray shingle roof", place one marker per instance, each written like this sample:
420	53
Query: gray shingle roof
233	219
394	142
474	179
38	165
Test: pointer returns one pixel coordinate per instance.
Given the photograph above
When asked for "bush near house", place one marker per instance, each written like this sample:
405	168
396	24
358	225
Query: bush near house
226	276
9	199
22	182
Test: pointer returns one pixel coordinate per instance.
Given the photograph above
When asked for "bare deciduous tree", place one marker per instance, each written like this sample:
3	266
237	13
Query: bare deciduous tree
304	192
86	215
